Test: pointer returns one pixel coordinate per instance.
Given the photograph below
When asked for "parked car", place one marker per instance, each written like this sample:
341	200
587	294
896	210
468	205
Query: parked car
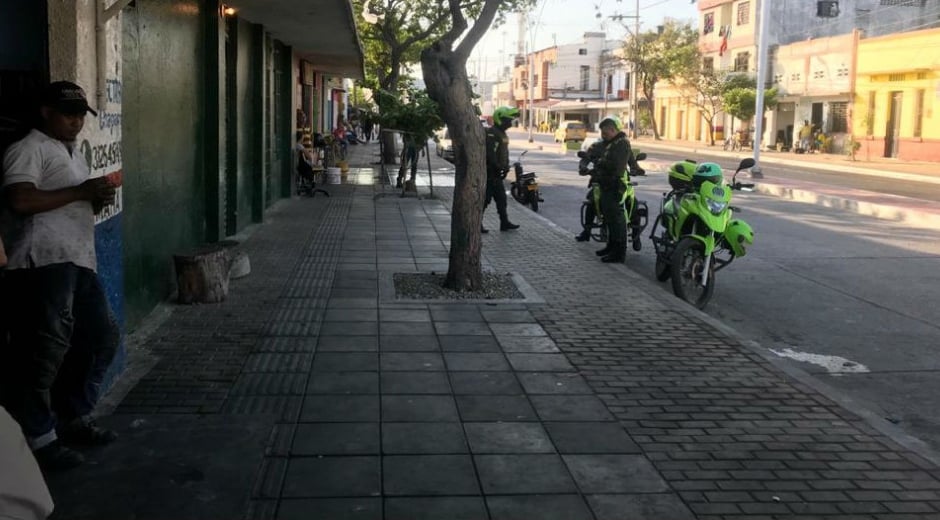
570	131
444	147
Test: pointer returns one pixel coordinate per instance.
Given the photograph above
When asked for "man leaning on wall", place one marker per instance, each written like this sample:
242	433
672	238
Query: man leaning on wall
62	333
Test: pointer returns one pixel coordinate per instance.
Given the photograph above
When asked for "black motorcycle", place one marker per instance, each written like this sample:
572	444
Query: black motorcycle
525	189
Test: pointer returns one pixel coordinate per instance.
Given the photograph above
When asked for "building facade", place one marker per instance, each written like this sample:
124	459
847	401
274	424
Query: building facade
196	104
897	96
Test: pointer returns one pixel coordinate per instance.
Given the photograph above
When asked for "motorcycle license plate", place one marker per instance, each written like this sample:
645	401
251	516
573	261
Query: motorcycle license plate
532	187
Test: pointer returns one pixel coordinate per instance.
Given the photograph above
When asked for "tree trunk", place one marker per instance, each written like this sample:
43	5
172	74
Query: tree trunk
650	108
448	85
711	131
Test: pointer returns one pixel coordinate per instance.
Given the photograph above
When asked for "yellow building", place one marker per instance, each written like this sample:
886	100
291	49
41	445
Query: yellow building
897	92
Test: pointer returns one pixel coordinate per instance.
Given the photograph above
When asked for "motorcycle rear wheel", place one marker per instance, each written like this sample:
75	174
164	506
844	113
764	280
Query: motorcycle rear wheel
534	200
688	262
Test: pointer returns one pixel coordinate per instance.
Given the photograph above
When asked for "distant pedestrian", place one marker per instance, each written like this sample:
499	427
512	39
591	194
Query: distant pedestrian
62	333
806	136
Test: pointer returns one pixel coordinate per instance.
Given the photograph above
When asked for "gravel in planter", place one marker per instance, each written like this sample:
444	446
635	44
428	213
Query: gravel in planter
430	286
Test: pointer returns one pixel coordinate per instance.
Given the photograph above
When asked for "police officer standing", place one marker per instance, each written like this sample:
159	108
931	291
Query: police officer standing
609	172
497	164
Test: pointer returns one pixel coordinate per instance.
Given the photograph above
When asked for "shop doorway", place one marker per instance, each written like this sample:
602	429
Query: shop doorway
893	127
24	65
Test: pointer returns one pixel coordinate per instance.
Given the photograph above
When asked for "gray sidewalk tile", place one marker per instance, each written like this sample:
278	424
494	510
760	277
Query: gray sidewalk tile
495	408
525	362
570	408
358	508
523	474
435	508
415	383
351	315
418	408
508	316
590	437
343	383
345	361
286	408
336	439
460	313
411	343
652	506
340	408
614	474
423	438
406	329
469	344
270	384
429	475
517	329
475	361
507	437
411	361
485	383
332	477
460	328
553	382
541	507
347	344
353	303
349	328
405	315
532	344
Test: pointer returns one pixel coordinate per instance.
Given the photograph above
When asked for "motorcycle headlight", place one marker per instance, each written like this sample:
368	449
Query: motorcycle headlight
716	206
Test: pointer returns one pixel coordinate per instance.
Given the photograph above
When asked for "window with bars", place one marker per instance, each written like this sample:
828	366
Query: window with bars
744	13
918	112
921	75
708	64
708	23
896	77
741	61
870	116
838	117
585	77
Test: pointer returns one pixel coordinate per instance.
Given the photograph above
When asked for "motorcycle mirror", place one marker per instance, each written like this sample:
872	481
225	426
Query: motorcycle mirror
746	163
678	168
523	154
581	154
640	156
735	209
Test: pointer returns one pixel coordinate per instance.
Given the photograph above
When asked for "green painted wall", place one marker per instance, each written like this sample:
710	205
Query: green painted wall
248	134
163	147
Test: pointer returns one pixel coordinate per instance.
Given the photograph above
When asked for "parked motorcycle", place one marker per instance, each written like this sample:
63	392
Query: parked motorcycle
698	235
635	211
525	189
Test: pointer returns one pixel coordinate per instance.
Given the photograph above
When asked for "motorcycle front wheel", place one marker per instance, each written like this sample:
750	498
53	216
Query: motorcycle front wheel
517	194
688	264
534	200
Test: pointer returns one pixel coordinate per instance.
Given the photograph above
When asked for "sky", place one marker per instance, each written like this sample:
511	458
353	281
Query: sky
566	21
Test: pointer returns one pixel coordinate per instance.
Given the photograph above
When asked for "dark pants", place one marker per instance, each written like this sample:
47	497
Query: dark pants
590	213
613	217
496	190
62	339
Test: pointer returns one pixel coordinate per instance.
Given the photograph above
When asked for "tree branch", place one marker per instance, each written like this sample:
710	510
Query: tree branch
458	26
480	26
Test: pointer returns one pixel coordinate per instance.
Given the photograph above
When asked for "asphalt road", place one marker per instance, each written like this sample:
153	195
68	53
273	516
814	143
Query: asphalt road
850	299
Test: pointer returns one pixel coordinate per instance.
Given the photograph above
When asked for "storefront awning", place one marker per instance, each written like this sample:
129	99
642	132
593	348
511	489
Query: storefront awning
322	32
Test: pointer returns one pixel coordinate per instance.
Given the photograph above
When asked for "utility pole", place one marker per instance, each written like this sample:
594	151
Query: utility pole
634	78
762	47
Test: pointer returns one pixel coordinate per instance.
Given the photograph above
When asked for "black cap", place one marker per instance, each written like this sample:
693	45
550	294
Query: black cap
67	98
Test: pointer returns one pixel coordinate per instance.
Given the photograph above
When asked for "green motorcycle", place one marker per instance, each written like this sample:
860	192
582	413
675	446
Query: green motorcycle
698	235
634	210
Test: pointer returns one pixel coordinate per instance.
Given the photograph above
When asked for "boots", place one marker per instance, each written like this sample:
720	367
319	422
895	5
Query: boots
617	253
584	236
505	224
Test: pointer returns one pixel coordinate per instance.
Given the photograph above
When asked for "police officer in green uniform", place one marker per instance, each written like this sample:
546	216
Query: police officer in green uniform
609	171
497	163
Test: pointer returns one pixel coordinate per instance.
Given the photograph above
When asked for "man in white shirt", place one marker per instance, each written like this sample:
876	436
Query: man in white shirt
62	333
